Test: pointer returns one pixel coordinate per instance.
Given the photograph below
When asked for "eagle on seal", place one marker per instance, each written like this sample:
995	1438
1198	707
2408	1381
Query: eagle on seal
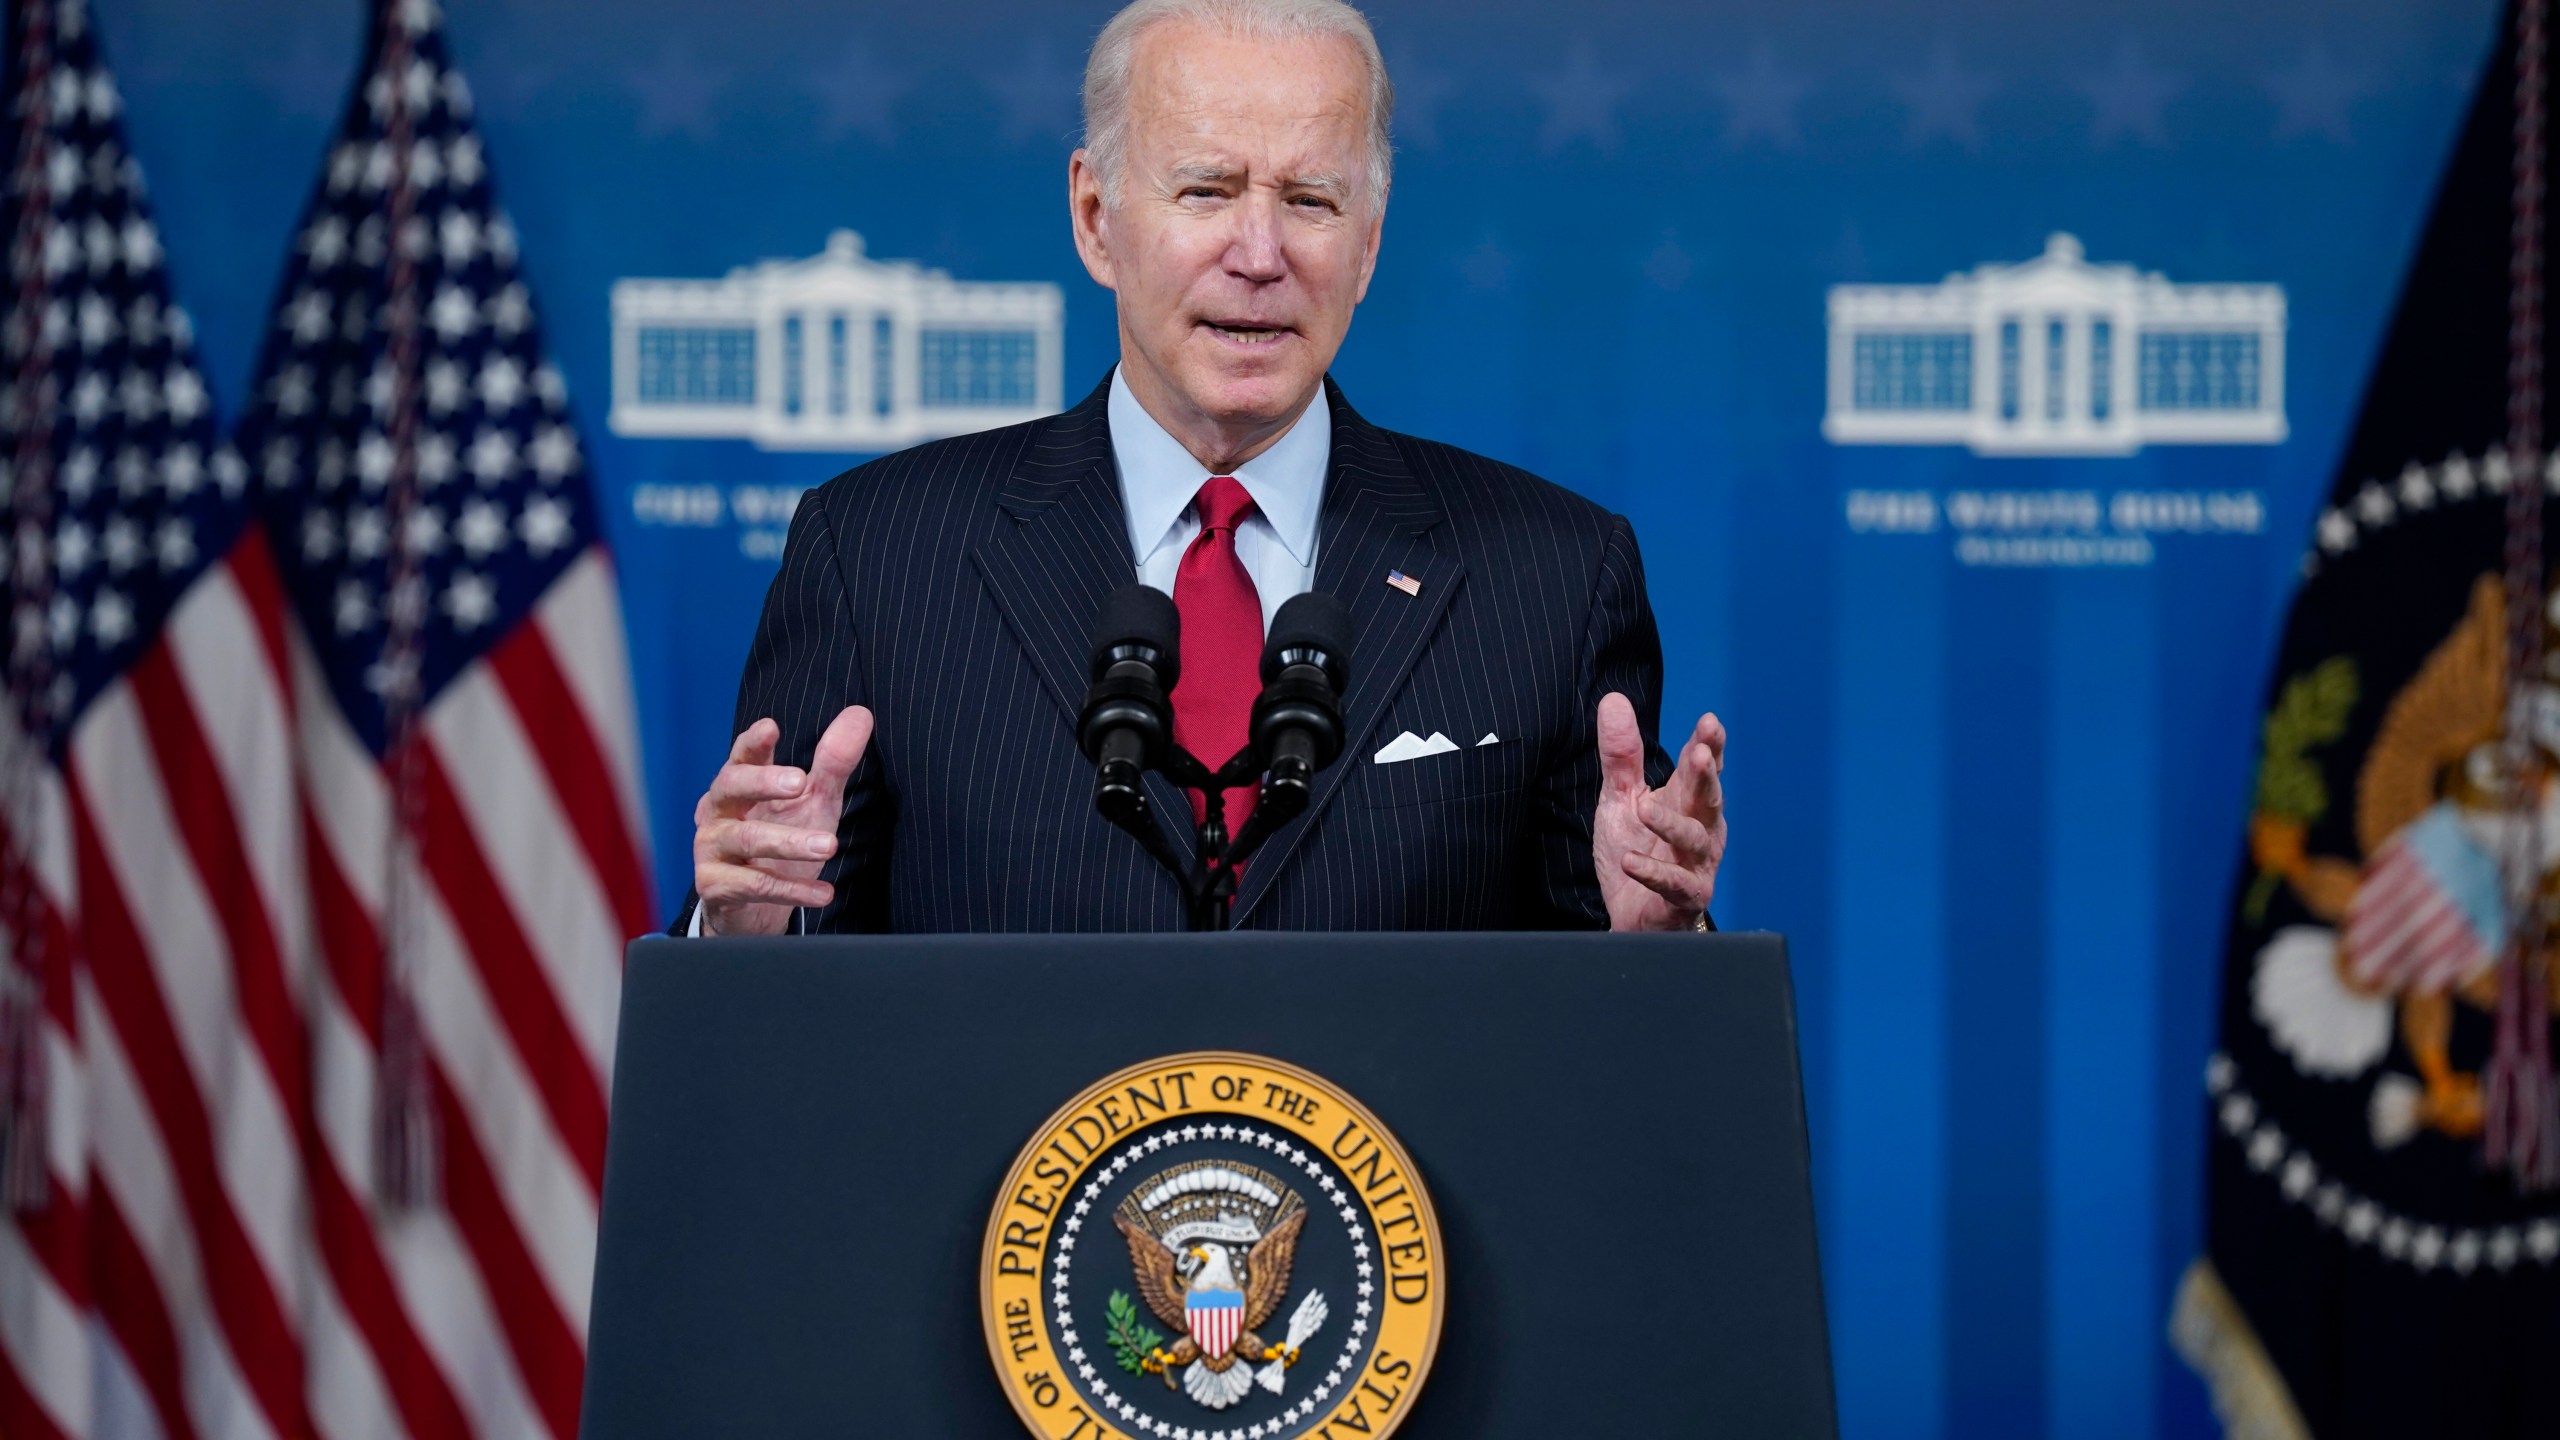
1216	1293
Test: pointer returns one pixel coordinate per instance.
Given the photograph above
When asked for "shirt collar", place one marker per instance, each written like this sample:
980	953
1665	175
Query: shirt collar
1158	477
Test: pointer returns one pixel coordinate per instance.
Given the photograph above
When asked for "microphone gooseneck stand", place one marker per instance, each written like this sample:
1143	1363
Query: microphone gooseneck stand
1126	728
1209	877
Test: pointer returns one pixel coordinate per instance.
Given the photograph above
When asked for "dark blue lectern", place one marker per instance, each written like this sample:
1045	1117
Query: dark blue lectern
809	1136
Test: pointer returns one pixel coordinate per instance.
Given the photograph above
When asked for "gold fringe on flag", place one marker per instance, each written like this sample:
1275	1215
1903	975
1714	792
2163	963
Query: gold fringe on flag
2212	1335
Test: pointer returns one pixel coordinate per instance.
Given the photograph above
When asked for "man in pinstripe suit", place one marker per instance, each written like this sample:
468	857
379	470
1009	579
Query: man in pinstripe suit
907	755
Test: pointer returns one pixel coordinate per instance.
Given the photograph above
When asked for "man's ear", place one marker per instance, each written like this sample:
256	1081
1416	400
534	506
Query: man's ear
1369	252
1090	218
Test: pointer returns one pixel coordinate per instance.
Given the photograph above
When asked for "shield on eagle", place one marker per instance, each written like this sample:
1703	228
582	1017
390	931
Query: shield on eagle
1216	1318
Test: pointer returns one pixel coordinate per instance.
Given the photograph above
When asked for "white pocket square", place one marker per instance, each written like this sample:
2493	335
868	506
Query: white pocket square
1409	746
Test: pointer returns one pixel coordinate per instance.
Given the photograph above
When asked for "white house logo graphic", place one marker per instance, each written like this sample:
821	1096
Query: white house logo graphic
2056	356
835	352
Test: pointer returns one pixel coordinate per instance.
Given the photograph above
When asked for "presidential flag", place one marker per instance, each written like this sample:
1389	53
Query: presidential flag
2383	1232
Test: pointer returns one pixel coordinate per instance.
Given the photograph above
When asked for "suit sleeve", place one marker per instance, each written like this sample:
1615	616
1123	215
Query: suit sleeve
803	668
1621	651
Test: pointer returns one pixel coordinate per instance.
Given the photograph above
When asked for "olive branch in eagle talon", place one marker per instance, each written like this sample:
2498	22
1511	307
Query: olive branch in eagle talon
2312	710
1163	1276
1133	1345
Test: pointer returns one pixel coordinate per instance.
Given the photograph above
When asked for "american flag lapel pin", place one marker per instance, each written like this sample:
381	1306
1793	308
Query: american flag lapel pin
1406	583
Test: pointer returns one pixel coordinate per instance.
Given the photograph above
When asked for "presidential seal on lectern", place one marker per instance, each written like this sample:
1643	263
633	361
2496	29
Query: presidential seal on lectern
1212	1247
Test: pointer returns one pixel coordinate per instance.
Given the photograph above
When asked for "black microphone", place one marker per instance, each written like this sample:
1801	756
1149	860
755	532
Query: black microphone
1127	724
1297	720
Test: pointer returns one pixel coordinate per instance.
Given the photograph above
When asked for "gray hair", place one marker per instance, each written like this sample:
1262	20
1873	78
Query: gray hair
1106	71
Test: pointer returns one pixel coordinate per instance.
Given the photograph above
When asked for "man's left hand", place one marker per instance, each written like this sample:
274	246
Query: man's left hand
1657	850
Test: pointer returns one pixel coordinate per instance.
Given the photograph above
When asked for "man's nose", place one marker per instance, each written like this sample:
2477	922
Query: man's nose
1258	250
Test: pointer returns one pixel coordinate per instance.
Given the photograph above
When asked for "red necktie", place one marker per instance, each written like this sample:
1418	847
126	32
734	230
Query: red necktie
1221	642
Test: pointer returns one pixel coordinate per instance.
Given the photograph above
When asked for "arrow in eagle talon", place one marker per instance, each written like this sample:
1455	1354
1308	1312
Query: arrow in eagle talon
1303	1324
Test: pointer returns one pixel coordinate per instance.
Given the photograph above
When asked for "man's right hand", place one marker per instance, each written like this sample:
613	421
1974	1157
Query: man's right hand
763	831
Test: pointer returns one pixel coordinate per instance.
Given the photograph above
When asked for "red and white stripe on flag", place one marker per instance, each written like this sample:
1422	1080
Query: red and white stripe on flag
2406	930
201	852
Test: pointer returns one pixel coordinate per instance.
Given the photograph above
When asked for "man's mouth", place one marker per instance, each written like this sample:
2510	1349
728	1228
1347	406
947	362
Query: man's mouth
1245	334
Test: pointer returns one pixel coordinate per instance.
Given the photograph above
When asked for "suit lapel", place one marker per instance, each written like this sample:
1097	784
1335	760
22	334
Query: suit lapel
1377	517
1060	546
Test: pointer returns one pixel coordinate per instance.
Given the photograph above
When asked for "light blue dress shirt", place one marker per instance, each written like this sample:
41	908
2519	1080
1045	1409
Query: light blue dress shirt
1158	479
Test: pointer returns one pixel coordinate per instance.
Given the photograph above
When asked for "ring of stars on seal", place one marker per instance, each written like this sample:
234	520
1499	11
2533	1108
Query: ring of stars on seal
2378	505
1212	1246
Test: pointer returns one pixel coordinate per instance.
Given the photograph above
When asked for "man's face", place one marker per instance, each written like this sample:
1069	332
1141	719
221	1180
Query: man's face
1243	235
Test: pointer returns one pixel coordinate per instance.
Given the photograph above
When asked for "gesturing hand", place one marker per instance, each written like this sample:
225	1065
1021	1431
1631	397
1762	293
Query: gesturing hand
762	831
1657	850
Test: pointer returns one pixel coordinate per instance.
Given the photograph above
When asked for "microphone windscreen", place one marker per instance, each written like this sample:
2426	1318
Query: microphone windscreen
1137	615
1312	621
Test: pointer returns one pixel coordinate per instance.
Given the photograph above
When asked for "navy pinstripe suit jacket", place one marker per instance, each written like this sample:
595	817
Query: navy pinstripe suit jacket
950	587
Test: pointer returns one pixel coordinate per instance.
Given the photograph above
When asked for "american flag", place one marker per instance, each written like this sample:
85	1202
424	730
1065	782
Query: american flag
323	829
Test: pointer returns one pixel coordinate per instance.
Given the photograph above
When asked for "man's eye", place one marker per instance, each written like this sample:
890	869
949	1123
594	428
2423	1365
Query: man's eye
1201	191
